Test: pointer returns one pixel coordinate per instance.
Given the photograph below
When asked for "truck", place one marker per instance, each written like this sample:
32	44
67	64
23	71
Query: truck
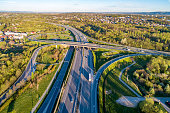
90	75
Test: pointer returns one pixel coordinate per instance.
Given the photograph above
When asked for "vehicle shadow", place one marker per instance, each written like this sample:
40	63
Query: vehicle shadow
85	73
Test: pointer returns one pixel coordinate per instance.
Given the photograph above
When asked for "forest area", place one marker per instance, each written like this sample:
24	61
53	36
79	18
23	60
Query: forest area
149	32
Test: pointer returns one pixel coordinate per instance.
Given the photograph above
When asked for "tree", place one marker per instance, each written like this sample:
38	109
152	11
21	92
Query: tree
10	92
18	85
18	73
32	76
146	105
12	79
124	41
148	84
167	89
136	75
8	63
152	91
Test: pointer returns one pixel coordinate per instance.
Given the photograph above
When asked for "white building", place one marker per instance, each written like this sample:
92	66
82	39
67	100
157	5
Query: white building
16	35
11	33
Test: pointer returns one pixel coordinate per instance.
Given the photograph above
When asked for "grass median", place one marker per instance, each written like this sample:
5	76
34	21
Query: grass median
109	82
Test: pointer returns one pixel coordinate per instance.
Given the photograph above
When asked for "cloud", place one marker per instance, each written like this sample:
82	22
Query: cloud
76	4
8	2
111	6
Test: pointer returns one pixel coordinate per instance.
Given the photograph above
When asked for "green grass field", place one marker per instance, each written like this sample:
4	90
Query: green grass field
100	59
24	102
131	83
110	80
56	36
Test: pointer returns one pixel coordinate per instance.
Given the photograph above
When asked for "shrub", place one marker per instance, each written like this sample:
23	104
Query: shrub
152	91
167	89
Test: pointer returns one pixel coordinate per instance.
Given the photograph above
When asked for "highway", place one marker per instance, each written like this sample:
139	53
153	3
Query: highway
80	94
76	97
85	94
68	100
49	102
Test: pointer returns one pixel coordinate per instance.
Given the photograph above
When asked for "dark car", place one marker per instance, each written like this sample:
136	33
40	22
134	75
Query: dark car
167	103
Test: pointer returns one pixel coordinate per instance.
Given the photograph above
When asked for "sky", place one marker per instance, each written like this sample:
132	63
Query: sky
85	5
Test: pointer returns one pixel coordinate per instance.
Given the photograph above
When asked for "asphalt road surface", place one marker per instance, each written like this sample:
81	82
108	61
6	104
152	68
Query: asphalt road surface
70	95
76	96
49	102
85	97
68	100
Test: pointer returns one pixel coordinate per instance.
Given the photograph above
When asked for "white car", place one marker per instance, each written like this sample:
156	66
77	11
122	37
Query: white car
71	100
141	51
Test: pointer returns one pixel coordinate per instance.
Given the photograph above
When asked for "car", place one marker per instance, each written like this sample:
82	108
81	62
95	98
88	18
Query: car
127	49
167	103
90	76
71	100
141	51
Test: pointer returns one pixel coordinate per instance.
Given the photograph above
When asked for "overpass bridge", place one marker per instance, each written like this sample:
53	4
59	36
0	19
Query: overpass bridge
94	46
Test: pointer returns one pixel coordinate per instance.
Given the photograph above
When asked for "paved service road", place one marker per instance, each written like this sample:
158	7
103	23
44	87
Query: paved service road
133	101
120	78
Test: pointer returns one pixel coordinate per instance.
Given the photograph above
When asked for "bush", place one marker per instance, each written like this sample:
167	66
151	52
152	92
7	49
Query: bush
149	106
18	73
149	84
167	89
152	91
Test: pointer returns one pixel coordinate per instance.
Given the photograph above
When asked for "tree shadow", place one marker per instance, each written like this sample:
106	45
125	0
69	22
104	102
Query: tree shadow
12	103
11	106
